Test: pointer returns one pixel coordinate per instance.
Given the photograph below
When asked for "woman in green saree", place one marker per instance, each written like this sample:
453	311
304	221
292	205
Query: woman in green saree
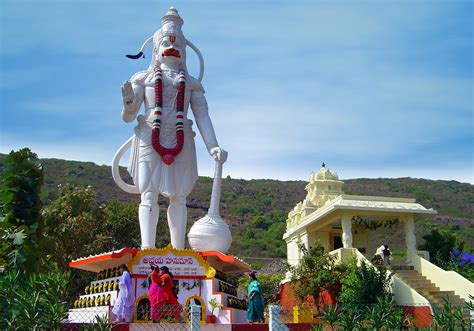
255	304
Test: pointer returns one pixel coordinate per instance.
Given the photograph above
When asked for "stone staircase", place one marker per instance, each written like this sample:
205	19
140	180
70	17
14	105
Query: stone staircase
425	287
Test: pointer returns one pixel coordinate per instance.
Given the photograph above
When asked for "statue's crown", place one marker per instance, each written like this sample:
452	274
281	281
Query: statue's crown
171	25
172	16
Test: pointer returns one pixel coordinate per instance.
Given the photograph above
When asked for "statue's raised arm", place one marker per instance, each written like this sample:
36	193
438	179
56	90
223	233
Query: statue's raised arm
132	97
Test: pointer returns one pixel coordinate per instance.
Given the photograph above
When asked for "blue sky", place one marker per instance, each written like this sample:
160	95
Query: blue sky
373	89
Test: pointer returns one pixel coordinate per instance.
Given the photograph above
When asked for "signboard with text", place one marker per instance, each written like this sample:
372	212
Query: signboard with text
178	265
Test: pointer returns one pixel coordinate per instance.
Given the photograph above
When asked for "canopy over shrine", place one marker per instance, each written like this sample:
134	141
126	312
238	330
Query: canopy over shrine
339	220
226	263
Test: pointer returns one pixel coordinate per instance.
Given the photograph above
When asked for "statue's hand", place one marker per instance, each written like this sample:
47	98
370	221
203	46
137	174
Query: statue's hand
218	154
128	96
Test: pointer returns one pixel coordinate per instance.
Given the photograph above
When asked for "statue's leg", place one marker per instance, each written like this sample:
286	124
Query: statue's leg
148	211
177	219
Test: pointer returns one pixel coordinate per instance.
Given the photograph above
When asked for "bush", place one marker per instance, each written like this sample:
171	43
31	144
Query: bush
315	273
350	317
364	284
362	291
452	317
383	314
33	302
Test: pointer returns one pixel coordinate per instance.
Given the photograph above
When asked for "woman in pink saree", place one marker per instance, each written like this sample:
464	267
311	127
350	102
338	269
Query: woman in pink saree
156	294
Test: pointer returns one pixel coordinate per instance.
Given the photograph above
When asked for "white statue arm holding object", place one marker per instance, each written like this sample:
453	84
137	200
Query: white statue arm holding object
204	124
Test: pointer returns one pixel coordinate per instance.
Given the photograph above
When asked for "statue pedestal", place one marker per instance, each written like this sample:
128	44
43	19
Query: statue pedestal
198	277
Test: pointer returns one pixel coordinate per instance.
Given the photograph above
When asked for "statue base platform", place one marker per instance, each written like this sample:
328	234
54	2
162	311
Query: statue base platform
199	277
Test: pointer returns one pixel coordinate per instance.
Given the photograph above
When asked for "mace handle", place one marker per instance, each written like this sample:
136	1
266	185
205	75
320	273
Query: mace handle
216	190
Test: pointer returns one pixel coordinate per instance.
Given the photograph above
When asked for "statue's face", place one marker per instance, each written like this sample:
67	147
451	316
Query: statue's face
171	50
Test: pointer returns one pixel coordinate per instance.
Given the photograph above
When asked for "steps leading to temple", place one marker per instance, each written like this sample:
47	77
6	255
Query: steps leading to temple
426	288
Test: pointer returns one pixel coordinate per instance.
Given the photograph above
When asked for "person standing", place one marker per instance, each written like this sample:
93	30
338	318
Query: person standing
378	256
255	305
123	307
386	255
170	298
155	293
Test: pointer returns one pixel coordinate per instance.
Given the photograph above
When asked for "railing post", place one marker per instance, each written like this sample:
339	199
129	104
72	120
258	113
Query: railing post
272	311
274	322
195	314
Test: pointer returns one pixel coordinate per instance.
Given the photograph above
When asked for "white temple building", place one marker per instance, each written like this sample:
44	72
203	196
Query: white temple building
341	223
339	220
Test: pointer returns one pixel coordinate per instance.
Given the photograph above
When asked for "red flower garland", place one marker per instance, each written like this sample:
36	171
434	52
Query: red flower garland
168	154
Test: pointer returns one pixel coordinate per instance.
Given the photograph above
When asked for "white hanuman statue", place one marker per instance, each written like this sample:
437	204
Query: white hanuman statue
163	155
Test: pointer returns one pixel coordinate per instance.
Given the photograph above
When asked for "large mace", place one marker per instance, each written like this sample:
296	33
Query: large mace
211	233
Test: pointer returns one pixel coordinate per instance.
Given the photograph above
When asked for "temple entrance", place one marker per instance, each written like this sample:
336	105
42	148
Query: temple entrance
337	242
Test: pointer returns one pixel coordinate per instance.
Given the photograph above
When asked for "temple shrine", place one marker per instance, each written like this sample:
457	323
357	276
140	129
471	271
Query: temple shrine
339	220
343	224
199	277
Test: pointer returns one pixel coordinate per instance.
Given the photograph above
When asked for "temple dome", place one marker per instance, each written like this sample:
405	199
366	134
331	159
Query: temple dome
326	174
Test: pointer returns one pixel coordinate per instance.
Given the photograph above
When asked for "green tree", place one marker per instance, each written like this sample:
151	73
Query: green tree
22	228
122	228
74	218
121	224
76	222
440	244
315	273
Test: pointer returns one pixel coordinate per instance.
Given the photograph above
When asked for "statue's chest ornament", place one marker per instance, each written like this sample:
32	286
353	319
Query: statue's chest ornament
168	154
170	92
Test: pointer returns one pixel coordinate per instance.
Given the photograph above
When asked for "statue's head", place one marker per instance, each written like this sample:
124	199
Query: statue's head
169	42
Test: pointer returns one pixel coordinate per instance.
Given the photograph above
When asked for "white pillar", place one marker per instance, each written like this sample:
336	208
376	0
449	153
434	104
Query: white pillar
288	251
410	237
346	223
292	252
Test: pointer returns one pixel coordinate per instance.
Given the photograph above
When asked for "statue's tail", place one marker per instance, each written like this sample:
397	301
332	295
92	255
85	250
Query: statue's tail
115	169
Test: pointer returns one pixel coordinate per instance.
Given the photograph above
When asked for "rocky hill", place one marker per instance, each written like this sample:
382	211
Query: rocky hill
257	209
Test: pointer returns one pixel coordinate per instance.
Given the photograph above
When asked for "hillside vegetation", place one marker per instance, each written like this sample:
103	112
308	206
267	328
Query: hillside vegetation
257	209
